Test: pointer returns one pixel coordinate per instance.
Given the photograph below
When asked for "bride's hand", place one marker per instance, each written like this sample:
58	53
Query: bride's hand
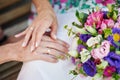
44	20
49	50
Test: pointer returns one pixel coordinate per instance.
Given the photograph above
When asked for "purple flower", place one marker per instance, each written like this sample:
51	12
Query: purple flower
80	47
116	30
90	68
110	38
73	60
105	2
115	37
114	60
109	70
105	14
84	37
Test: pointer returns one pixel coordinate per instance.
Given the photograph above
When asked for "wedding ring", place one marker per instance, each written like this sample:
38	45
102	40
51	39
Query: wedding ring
31	28
48	50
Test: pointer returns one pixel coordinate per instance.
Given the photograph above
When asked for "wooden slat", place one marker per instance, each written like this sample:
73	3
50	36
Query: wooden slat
5	66
6	3
12	76
10	71
15	13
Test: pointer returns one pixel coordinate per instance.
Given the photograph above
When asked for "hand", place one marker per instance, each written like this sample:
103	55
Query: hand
49	50
45	19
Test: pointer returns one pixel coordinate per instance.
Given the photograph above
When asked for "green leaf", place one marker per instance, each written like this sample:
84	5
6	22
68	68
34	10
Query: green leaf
77	15
115	15
76	25
66	26
107	32
112	48
81	17
110	7
89	48
109	14
79	41
82	71
116	76
73	72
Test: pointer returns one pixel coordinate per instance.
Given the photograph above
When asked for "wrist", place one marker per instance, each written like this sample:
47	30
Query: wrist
6	54
42	5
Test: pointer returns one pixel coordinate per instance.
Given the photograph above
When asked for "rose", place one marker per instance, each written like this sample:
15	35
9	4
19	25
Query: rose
102	51
94	40
85	55
90	68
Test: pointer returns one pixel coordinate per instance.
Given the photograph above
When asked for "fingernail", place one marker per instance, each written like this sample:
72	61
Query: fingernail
32	48
54	36
16	36
37	44
24	44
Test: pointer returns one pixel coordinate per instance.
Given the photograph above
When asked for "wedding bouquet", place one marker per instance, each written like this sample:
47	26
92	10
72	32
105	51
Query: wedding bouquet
97	35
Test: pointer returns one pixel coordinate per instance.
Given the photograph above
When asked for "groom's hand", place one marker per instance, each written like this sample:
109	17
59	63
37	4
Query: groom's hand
49	50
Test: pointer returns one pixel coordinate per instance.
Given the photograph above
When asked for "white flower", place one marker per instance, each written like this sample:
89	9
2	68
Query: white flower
81	31
74	43
91	30
94	40
85	55
73	53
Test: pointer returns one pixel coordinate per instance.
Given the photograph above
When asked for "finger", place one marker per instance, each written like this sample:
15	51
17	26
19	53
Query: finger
41	30
20	34
33	43
54	31
27	37
49	51
49	58
45	57
47	38
55	46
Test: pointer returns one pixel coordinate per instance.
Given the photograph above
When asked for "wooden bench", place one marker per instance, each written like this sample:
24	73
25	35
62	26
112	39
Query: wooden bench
12	11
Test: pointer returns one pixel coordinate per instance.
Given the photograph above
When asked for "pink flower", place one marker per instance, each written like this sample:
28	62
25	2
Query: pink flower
119	11
110	23
79	65
103	25
105	2
118	20
63	1
107	23
102	51
109	70
117	25
94	18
